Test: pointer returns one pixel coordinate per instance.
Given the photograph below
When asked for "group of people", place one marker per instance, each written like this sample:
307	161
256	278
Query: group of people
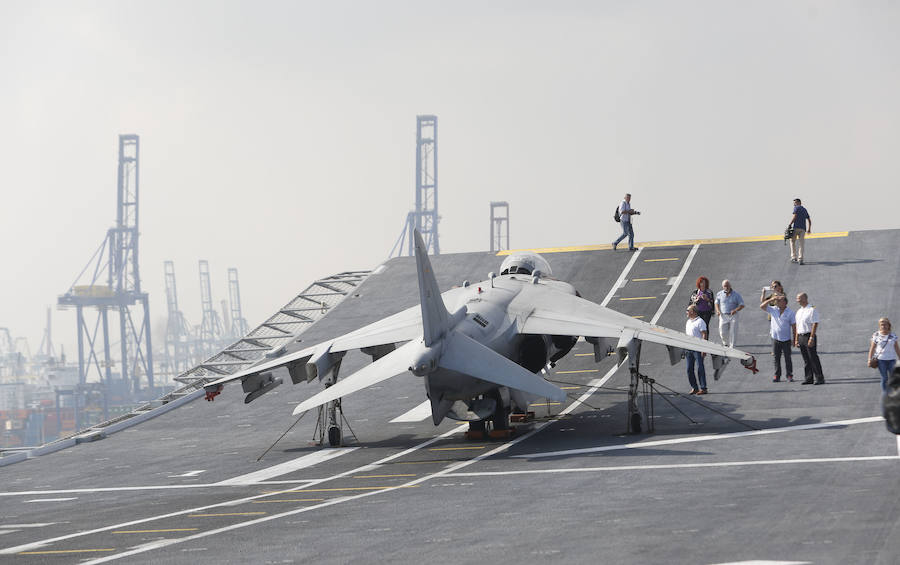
787	327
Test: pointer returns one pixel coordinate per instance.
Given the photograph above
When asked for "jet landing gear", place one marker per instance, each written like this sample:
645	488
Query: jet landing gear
643	385
495	426
489	429
331	421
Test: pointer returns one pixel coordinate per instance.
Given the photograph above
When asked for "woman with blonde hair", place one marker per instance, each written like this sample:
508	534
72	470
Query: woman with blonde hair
883	349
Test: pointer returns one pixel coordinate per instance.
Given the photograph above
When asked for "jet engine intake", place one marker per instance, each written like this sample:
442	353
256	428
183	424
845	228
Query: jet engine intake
321	363
562	345
534	351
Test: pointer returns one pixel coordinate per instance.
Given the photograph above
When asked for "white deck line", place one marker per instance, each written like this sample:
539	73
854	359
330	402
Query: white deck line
692	439
671	466
31	546
621	280
674	287
287	467
417	414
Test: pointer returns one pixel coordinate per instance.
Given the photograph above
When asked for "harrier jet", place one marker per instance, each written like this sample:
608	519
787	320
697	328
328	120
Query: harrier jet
480	348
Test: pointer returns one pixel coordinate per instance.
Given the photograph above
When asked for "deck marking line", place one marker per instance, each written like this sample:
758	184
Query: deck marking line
692	439
417	414
62	551
287	467
368	467
621	280
225	514
674	287
127	489
155	531
671	466
675	243
188	474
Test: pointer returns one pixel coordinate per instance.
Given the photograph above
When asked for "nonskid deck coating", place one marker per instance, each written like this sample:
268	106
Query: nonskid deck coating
819	494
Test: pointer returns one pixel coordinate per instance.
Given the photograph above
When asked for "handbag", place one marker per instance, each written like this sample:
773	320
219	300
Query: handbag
873	363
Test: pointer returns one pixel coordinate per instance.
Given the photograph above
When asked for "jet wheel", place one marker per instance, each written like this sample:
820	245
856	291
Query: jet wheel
500	418
636	423
334	436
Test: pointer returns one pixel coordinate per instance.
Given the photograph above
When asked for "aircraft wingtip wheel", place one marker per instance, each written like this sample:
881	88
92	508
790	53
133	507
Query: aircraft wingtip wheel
334	436
636	423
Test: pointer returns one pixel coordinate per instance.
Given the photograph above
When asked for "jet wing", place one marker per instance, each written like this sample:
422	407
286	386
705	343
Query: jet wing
556	313
400	327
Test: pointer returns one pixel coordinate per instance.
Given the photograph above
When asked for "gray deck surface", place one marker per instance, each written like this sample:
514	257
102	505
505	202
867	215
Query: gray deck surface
822	494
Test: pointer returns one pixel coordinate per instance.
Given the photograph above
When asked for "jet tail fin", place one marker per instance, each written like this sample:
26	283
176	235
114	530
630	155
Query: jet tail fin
435	318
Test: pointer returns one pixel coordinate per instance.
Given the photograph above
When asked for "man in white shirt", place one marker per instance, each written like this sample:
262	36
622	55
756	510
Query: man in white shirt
695	326
728	304
783	330
807	318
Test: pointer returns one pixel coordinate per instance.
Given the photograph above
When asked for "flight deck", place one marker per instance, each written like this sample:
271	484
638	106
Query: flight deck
754	471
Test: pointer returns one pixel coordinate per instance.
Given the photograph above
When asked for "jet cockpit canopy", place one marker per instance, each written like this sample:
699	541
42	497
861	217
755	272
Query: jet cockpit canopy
525	263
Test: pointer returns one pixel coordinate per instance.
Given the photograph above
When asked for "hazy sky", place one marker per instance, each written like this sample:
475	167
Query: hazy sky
279	137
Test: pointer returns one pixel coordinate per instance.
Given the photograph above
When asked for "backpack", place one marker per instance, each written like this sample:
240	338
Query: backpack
616	216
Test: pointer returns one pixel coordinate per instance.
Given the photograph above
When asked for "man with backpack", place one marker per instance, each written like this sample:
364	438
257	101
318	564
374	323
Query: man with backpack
623	216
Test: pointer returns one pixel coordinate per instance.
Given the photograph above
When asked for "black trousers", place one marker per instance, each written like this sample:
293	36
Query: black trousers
812	368
706	317
779	348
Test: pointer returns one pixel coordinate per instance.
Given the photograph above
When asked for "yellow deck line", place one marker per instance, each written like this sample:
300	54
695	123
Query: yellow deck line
640	298
641	316
570	387
545	404
716	241
651	279
657	260
583	354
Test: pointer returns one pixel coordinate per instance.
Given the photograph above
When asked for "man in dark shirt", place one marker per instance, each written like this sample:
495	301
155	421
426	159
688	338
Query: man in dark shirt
799	221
